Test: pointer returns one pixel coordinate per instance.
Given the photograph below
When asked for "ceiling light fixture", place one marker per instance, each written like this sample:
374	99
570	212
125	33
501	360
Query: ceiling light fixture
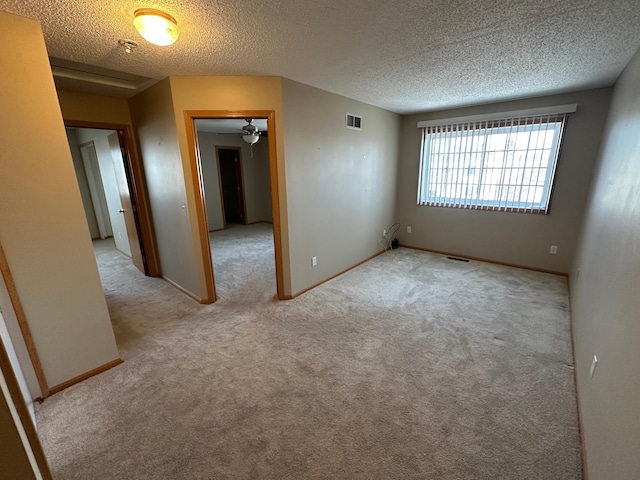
250	133
155	26
251	138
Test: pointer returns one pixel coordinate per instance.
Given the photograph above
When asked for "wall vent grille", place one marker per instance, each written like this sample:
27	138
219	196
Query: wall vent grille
354	122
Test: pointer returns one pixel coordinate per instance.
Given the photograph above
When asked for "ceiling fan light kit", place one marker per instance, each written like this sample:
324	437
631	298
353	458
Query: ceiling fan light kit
250	133
251	138
155	26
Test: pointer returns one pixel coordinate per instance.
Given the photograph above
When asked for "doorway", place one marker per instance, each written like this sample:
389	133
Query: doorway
206	215
112	190
233	198
235	176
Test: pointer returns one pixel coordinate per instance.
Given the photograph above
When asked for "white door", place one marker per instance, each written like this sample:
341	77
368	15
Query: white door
13	358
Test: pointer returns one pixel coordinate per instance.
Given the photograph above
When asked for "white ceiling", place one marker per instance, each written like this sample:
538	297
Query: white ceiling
402	55
229	125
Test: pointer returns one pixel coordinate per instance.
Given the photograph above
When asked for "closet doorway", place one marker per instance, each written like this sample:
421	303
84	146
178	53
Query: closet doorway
232	184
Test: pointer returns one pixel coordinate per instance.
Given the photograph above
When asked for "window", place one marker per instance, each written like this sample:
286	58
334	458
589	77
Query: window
503	164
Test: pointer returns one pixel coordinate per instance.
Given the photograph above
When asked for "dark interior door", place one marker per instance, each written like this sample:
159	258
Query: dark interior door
231	179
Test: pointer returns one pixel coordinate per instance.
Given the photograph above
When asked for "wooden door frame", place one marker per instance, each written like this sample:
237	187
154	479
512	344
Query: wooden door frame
10	376
240	179
190	116
137	189
23	413
21	317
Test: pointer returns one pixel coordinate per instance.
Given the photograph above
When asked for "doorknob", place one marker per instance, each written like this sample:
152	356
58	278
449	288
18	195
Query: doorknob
121	210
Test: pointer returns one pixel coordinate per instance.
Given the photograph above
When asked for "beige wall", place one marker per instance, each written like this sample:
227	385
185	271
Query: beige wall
43	228
340	182
207	142
257	188
155	127
255	172
605	300
94	108
516	238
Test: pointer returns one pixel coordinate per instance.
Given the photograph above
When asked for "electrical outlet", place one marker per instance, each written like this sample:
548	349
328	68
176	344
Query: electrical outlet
314	261
183	209
594	362
408	229
553	250
384	233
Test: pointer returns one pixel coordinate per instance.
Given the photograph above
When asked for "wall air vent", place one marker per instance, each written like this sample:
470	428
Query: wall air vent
354	121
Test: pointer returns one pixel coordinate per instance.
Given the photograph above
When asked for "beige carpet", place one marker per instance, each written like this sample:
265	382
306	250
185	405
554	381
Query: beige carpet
411	366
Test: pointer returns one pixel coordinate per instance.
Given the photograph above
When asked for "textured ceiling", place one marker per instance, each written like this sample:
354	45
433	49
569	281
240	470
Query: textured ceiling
402	55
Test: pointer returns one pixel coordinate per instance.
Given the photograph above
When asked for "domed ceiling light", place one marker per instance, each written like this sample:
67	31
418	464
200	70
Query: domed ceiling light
155	26
251	138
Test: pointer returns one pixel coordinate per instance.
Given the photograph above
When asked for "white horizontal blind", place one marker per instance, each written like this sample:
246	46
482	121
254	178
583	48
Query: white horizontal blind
502	164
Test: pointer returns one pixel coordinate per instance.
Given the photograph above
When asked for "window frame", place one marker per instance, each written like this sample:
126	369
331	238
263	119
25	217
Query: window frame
529	121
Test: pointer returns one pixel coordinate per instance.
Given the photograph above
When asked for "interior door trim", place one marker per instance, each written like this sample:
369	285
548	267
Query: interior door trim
23	414
24	325
190	116
138	190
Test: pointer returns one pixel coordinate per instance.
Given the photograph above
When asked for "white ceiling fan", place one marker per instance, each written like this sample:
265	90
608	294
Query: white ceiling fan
250	133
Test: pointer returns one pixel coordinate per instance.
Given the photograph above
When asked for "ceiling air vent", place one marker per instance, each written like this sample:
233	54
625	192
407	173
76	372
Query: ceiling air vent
354	121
